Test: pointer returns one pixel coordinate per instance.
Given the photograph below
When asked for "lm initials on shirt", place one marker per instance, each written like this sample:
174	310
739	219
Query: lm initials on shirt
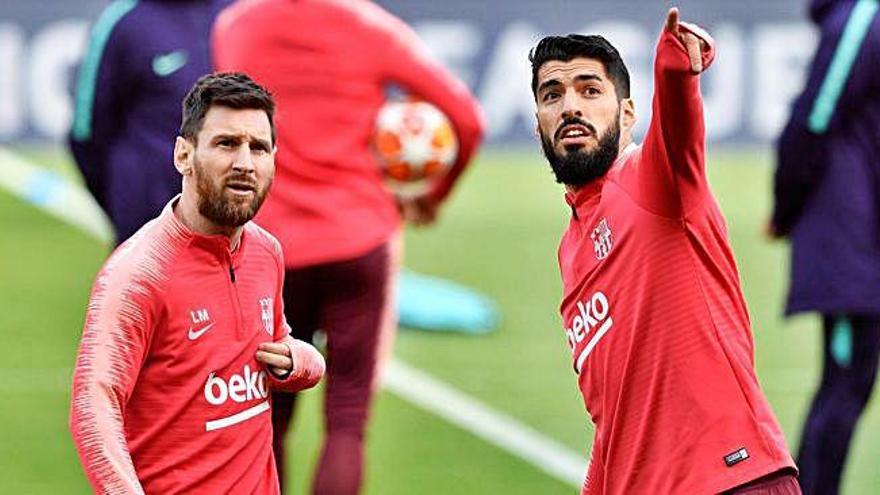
201	323
594	313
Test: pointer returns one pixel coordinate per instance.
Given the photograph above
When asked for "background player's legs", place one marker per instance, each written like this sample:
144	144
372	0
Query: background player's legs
301	299
354	300
388	327
851	349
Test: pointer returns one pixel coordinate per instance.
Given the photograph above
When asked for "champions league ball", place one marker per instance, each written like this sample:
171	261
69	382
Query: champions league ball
415	145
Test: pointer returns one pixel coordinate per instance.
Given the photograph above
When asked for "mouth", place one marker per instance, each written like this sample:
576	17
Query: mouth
573	134
242	188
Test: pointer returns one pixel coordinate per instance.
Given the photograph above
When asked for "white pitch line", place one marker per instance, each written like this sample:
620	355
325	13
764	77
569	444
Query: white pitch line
49	191
495	427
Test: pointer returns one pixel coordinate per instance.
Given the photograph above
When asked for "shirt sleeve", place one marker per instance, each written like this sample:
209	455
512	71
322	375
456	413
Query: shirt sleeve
404	60
118	326
842	75
98	101
308	367
671	173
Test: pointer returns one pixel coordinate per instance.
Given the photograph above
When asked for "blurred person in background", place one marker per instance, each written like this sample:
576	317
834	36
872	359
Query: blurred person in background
328	63
185	332
827	203
143	57
652	308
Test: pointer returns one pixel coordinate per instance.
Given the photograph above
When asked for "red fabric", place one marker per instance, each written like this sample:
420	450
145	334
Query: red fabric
328	62
167	361
654	314
779	483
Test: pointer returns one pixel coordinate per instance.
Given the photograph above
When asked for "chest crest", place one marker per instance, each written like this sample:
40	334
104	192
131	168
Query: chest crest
267	314
603	239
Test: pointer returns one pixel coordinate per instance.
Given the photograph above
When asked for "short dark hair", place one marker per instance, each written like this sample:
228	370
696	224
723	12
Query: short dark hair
228	89
567	48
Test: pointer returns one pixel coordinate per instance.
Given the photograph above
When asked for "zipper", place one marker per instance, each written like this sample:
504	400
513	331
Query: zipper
236	300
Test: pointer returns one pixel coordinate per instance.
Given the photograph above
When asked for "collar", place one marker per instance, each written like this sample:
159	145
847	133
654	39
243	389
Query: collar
217	244
581	198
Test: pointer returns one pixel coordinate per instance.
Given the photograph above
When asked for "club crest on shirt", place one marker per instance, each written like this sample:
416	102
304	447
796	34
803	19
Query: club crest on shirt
267	313
602	239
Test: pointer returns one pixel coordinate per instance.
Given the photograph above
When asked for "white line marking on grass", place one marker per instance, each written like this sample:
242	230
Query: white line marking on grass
495	427
51	192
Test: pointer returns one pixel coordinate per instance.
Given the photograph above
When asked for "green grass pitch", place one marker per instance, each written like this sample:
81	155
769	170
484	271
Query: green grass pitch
498	234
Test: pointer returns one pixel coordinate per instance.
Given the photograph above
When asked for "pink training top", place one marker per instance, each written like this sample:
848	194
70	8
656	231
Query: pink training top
167	394
328	63
654	315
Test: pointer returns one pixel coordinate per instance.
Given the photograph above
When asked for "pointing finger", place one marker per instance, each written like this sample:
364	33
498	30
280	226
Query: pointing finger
694	51
672	20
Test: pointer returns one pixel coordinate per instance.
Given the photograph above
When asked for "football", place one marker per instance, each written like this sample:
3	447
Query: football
415	145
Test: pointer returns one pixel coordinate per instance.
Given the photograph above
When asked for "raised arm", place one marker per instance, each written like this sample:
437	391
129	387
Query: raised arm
114	342
672	175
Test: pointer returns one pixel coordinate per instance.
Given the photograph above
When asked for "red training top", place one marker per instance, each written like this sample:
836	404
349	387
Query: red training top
327	63
655	317
167	394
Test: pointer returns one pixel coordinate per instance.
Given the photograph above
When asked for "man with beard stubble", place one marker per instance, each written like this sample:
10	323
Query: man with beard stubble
652	306
185	335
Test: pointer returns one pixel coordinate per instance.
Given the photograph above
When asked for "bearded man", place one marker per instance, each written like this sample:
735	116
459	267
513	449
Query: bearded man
652	307
185	335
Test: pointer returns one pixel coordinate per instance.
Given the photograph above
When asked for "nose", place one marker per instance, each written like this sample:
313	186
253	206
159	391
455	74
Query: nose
244	161
570	106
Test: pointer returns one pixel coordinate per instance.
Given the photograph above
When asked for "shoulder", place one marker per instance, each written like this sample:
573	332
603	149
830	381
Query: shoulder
265	240
241	10
143	264
116	18
369	16
627	163
858	16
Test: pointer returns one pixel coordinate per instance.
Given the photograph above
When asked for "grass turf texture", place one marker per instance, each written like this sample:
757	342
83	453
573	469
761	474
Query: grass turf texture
498	235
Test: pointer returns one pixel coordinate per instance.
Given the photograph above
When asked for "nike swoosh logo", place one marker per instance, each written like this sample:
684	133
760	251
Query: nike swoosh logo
194	334
168	63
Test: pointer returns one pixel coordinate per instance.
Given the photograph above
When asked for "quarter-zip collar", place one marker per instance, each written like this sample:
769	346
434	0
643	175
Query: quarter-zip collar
581	199
217	245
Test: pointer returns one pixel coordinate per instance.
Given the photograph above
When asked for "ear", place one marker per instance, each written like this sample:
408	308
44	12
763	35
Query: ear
183	155
627	116
537	131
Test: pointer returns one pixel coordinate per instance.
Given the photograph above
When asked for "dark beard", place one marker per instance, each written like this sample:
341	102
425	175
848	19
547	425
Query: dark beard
222	210
579	167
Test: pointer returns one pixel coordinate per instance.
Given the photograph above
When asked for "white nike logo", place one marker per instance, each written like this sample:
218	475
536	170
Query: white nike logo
168	63
194	334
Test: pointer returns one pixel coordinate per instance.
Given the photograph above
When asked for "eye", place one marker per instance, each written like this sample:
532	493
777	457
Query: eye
259	148
226	143
550	96
592	91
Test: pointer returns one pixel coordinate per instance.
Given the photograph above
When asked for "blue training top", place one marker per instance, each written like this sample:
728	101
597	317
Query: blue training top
142	59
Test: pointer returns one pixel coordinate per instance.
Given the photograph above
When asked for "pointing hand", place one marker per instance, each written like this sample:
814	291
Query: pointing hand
692	43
